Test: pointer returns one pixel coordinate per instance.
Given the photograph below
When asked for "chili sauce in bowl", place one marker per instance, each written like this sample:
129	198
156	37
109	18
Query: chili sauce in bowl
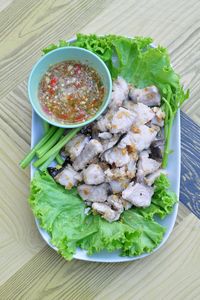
71	92
70	87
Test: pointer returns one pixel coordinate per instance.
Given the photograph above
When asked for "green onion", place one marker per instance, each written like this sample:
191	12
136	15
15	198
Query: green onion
28	158
59	159
50	143
45	165
57	147
169	118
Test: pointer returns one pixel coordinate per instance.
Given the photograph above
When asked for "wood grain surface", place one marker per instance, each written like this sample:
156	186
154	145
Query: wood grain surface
29	268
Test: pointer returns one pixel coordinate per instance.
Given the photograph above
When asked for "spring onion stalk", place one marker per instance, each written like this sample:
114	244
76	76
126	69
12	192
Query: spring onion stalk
59	159
57	147
46	164
28	158
46	126
167	130
50	143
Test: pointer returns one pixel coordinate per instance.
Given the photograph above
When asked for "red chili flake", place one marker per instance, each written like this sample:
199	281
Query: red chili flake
80	117
62	116
51	91
53	81
77	68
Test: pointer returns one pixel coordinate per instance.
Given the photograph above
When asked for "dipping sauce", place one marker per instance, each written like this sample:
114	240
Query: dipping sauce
71	92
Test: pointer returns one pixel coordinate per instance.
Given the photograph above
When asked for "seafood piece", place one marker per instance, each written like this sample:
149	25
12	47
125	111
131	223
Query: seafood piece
92	149
93	174
94	193
149	96
138	194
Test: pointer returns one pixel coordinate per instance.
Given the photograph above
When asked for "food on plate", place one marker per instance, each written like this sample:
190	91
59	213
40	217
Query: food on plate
71	92
113	181
127	162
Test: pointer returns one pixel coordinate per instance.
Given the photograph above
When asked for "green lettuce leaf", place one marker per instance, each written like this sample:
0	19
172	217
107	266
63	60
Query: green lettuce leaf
62	214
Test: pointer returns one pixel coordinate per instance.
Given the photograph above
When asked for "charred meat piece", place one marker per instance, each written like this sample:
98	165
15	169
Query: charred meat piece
92	149
157	149
149	96
94	193
93	174
138	194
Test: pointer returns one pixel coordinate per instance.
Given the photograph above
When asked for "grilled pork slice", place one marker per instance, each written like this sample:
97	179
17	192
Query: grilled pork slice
139	138
149	180
116	156
122	120
68	177
149	96
92	149
76	145
106	211
94	193
119	93
146	166
93	174
138	194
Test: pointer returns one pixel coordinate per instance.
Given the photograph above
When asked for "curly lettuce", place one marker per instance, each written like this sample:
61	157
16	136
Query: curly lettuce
61	213
141	65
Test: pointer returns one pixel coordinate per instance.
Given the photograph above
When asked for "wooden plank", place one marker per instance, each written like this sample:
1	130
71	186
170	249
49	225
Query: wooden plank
170	273
4	4
20	240
27	26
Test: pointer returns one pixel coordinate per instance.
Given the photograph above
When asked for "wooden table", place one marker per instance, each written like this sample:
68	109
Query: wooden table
29	268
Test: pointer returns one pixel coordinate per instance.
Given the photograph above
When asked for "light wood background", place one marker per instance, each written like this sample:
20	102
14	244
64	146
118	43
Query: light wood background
29	269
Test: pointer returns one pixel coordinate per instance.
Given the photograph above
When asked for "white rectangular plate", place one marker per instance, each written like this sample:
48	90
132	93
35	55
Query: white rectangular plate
173	170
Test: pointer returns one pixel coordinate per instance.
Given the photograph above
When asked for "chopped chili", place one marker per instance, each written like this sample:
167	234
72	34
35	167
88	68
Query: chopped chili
71	92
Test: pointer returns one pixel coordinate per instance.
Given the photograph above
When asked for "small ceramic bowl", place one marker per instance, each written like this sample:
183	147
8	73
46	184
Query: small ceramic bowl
63	54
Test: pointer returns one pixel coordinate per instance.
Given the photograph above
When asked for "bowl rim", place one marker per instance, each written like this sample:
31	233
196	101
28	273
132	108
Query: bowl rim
99	112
